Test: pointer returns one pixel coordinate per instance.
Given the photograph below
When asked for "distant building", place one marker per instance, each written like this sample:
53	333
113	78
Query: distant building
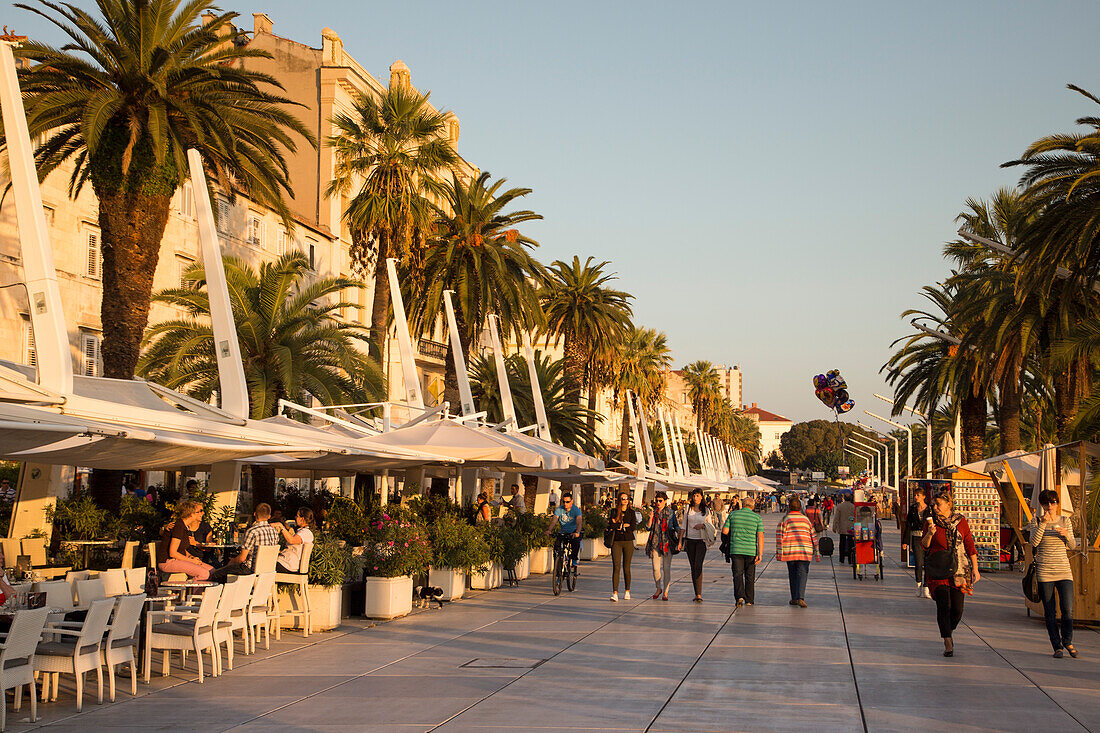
729	381
772	428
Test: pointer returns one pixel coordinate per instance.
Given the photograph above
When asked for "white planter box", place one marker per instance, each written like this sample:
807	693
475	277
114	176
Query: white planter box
493	577
523	568
388	597
590	548
451	581
541	560
640	538
326	607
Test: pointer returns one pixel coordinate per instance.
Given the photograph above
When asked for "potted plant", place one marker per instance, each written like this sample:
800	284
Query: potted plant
492	576
458	549
641	534
396	548
592	545
331	568
514	553
535	528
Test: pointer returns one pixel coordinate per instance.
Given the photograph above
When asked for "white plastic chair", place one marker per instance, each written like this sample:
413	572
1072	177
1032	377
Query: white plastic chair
266	557
259	609
238	611
128	554
75	656
185	632
135	580
59	594
89	591
17	660
152	548
299	580
122	640
114	582
223	617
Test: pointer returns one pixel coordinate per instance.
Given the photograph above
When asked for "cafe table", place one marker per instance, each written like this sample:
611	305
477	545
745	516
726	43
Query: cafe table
87	545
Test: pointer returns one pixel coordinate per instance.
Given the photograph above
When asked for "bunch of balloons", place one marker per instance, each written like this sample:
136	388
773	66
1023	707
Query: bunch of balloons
832	390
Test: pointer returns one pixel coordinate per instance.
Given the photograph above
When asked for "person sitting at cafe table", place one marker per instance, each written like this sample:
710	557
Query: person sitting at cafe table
290	559
259	534
176	544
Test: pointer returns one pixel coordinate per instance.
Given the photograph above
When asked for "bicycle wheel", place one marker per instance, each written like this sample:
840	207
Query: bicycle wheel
571	577
556	577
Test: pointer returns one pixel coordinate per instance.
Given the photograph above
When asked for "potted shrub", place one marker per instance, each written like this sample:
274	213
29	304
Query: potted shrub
492	575
592	545
331	568
534	528
396	548
513	556
458	549
641	534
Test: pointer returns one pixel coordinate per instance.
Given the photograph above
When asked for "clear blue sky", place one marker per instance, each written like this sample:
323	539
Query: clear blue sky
773	181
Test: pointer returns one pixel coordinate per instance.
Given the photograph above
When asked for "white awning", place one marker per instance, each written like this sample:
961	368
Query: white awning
472	445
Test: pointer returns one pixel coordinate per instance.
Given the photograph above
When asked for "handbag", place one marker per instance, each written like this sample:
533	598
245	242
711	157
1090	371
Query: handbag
942	564
1031	585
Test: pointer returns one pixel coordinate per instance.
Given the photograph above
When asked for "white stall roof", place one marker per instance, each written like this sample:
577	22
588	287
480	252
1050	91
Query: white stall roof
473	445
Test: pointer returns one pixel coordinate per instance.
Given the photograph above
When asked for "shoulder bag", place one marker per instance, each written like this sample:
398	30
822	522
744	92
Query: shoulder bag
942	564
1031	584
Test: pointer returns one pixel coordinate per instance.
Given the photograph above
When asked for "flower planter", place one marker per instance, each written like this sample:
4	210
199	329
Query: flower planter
590	548
493	577
523	567
640	538
388	597
541	560
326	607
452	582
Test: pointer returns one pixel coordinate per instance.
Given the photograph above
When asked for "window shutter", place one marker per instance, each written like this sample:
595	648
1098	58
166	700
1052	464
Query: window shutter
90	350
30	354
280	242
93	258
223	215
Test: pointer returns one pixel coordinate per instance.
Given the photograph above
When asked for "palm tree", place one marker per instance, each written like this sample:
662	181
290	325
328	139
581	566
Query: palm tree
394	151
589	316
703	391
477	252
293	344
643	361
568	420
122	102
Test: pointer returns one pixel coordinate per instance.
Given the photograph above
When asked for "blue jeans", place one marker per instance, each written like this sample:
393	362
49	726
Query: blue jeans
1059	636
798	572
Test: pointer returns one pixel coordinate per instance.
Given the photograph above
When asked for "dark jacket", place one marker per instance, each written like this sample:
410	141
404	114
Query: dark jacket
914	521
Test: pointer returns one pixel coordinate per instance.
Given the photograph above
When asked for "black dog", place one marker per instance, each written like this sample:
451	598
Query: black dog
424	595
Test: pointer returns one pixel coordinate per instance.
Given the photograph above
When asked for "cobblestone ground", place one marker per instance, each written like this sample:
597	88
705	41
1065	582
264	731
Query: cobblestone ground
864	656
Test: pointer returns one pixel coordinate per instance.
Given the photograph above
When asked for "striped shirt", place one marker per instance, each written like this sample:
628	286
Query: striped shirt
794	538
1051	556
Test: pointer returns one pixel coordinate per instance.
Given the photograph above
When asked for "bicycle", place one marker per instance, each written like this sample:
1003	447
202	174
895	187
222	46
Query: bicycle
564	569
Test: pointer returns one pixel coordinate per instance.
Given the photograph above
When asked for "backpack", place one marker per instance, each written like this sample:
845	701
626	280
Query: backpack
825	546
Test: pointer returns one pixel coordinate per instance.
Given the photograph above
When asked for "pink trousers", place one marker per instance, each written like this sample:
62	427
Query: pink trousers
196	570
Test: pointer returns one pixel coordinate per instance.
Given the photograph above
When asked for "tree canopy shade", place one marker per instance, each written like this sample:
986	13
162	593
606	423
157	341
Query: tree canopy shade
568	420
292	344
818	445
121	102
477	252
390	154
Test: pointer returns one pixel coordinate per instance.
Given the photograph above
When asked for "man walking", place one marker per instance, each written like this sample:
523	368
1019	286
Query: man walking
918	515
843	524
746	531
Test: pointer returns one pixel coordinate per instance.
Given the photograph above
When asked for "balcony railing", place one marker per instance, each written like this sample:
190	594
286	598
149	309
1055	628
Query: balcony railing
432	349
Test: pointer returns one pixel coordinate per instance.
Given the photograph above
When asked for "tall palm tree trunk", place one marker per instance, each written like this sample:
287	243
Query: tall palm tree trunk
974	416
1008	414
624	434
592	390
574	368
380	307
1072	384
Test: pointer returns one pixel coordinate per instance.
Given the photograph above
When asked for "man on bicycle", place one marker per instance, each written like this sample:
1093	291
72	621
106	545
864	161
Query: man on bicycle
569	520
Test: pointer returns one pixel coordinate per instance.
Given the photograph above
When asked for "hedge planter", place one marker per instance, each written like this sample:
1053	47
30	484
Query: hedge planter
590	548
493	577
452	582
523	567
388	597
326	608
541	560
640	538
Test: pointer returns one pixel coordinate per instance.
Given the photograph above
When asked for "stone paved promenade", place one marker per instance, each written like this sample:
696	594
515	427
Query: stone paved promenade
863	656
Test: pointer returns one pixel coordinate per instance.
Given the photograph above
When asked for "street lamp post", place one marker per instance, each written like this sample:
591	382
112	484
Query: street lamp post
872	459
866	443
927	435
903	427
897	480
865	456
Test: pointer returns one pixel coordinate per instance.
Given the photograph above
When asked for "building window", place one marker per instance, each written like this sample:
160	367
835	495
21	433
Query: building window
48	211
312	254
255	231
93	257
223	216
187	201
92	363
30	356
280	242
182	266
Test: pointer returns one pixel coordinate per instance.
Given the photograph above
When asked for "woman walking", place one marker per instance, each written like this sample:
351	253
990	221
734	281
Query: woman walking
695	535
664	534
621	523
795	545
1051	539
950	565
